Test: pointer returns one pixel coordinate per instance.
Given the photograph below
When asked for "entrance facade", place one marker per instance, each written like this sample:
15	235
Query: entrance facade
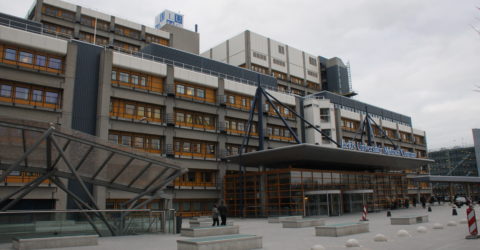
310	192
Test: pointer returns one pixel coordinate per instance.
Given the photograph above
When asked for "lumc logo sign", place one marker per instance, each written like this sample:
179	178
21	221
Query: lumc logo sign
351	145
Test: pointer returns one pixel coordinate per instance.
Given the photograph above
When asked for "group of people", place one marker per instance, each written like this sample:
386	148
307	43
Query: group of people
220	211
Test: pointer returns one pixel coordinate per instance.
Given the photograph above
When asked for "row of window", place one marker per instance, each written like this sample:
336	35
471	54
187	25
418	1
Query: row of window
279	133
59	13
94	23
284	112
99	40
194	119
99	24
234	149
136	110
30	59
58	30
137	80
238	101
125	46
29	94
238	126
124	31
194	148
149	143
195	92
197	177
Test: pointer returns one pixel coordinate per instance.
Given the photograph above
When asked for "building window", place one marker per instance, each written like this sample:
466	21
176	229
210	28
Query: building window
114	75
180	89
312	61
231	99
21	93
312	73
51	97
26	57
259	56
281	49
6	90
325	115
278	62
10	54
124	77
326	132
190	91
201	93
126	140
41	61
129	109
134	79
54	63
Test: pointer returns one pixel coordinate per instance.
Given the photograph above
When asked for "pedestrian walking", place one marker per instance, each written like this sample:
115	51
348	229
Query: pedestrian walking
222	210
215	215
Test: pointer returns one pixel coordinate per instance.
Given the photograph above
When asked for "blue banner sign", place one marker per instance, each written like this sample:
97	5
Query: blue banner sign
358	146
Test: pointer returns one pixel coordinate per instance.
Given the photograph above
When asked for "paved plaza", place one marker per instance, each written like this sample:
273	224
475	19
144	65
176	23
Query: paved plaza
276	237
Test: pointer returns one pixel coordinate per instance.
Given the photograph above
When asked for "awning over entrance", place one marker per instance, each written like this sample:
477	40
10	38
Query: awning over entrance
333	157
447	179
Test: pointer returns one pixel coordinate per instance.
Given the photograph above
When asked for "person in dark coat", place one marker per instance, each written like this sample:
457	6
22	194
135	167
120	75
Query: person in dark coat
222	210
215	215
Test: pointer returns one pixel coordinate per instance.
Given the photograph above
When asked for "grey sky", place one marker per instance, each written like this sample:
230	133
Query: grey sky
418	58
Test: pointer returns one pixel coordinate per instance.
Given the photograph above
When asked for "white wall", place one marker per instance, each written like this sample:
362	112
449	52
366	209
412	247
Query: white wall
259	44
350	115
283	98
313	68
137	64
195	77
312	114
237	49
240	88
219	53
295	58
33	41
275	54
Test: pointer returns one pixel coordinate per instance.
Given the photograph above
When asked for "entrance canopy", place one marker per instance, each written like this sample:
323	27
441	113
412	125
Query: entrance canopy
314	155
448	179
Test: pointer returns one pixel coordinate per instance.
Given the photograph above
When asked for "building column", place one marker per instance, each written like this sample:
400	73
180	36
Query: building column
169	109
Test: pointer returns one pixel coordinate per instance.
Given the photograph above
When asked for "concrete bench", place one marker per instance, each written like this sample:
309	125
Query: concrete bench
303	223
284	218
408	219
207	223
201	219
25	243
342	229
230	242
210	231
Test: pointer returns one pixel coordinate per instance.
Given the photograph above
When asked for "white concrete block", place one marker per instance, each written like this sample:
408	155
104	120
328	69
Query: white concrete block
352	243
403	233
317	247
451	223
421	229
437	226
380	238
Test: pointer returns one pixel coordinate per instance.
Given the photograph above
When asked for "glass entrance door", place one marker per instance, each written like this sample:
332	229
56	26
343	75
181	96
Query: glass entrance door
322	204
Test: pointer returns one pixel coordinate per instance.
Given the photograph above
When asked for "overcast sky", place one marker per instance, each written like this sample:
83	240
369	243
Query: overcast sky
416	57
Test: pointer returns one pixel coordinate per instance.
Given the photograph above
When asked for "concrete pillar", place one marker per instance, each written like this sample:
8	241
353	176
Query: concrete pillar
104	92
142	34
76	27
169	110
248	51
69	85
38	11
338	125
269	57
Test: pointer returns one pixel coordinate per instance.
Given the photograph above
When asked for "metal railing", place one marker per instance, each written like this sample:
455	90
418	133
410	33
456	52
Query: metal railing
33	28
18	223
